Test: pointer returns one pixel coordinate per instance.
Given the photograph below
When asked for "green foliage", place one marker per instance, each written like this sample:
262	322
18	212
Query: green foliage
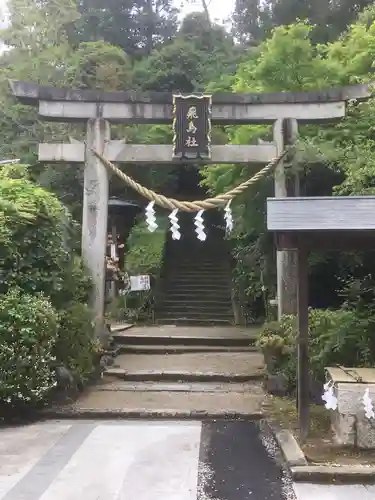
285	61
37	256
33	240
137	26
14	171
194	59
28	332
343	337
145	249
254	19
77	284
101	65
75	347
145	255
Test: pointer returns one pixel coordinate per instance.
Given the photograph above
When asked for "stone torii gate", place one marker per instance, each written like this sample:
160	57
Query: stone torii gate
98	109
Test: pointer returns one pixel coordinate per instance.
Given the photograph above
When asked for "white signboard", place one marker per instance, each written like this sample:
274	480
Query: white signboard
138	283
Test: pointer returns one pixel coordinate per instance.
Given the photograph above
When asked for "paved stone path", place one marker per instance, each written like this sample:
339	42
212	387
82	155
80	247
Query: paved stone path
150	460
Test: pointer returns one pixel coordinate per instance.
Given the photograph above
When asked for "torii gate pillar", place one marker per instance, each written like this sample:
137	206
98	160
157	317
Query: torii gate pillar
285	133
95	215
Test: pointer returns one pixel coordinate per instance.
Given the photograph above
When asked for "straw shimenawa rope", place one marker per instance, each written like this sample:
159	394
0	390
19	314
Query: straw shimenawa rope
190	206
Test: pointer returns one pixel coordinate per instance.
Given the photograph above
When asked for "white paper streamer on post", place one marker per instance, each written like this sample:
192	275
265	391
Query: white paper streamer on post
228	217
329	397
199	226
368	405
150	217
175	226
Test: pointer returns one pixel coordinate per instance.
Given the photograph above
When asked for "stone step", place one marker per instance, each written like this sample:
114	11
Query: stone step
198	265
197	314
181	349
188	294
218	295
213	367
187	336
199	277
203	322
192	301
185	309
200	270
197	285
209	267
162	404
193	286
210	387
199	294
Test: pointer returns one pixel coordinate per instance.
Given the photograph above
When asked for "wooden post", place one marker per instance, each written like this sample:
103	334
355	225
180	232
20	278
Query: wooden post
285	132
303	372
114	255
95	215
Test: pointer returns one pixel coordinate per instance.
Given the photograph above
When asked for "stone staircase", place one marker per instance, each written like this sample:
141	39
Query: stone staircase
197	279
195	364
177	372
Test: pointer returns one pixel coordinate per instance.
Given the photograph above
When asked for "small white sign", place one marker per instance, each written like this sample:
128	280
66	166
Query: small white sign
138	283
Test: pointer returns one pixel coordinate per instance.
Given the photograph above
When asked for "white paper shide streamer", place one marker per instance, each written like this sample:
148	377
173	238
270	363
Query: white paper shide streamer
175	226
228	217
328	397
150	217
368	405
199	226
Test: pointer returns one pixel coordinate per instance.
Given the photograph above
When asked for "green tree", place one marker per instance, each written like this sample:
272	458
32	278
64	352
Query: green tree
136	26
253	19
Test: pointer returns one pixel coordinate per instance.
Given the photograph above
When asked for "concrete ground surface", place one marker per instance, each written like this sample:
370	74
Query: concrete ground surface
151	460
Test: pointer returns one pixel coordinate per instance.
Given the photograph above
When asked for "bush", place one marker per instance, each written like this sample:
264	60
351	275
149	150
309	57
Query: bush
76	284
76	347
145	249
28	332
34	238
342	337
37	256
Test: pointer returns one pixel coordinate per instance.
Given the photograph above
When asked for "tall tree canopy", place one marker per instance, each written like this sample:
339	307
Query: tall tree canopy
253	19
137	26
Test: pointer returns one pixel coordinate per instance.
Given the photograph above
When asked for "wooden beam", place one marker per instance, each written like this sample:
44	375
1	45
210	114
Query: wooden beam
116	151
69	111
343	241
303	372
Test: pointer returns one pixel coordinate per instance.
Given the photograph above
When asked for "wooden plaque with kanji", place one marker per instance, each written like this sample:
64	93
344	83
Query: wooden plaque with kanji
192	127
